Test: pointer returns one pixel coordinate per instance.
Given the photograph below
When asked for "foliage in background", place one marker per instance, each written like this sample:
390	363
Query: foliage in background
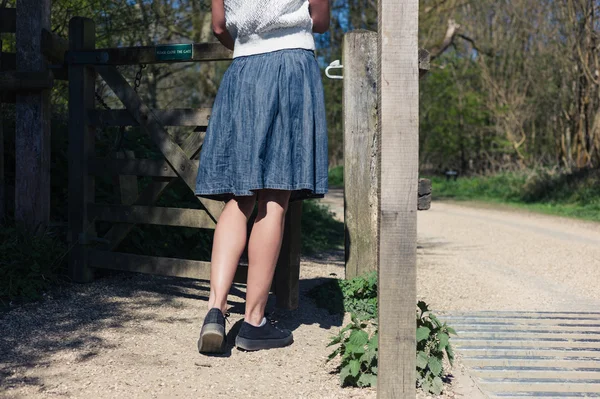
320	230
336	177
575	194
433	342
29	264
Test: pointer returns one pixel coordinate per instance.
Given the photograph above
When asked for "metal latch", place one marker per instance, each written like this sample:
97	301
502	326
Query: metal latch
334	65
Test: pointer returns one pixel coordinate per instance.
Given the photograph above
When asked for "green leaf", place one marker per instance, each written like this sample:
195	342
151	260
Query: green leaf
359	338
369	355
437	386
374	341
333	354
422	333
450	353
354	349
367	380
344	374
436	321
354	367
451	330
335	340
444	339
421	360
426	385
422	306
348	327
435	365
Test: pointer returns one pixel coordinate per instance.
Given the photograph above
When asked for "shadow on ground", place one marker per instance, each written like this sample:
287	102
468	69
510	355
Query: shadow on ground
74	322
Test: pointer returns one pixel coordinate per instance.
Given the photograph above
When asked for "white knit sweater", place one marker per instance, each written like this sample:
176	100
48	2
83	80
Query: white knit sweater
263	26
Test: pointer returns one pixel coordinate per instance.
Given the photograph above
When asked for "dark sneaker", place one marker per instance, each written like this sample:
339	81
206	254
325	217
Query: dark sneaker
212	335
269	336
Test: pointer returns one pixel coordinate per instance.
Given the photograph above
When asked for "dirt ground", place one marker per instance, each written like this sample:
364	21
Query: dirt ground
135	336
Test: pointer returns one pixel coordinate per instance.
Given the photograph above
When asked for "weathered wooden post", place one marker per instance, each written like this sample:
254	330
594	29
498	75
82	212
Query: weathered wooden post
2	187
361	169
361	146
82	36
399	147
32	152
287	273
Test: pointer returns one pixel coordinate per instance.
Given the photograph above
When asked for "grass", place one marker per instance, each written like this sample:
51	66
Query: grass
320	230
336	177
575	194
29	264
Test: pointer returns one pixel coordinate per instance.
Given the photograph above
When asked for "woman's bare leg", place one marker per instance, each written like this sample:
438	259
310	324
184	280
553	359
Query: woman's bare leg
263	251
228	245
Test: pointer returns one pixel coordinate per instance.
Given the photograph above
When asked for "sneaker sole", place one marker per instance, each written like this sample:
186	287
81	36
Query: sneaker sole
255	345
212	339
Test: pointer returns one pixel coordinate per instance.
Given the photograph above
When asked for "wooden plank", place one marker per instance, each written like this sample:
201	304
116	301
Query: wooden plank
424	201
287	273
132	167
167	117
174	155
2	183
399	149
360	145
127	182
8	20
32	143
53	46
157	265
145	55
136	214
26	81
151	194
82	35
9	61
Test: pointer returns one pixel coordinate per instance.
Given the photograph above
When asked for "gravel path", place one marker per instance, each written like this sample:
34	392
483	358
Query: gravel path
135	336
474	257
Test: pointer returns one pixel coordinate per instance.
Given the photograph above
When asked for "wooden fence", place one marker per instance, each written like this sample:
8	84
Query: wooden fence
78	61
180	162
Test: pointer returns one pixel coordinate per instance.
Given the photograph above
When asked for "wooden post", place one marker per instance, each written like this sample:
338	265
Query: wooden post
2	188
360	144
82	36
287	273
399	149
32	135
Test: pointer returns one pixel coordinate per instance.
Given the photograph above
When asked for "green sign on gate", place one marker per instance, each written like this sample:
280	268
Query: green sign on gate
174	52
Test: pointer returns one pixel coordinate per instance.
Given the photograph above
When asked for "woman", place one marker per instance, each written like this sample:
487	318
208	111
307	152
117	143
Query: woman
266	143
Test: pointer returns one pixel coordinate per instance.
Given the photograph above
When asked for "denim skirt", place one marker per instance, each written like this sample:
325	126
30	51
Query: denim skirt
267	129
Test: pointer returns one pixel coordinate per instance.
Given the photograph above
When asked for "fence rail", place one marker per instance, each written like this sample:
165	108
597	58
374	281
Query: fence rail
167	117
148	55
8	20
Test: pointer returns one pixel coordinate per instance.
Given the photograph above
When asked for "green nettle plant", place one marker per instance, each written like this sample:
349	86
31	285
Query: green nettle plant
358	351
358	346
433	341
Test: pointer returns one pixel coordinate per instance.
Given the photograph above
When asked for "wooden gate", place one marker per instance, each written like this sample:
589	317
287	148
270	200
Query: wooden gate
91	252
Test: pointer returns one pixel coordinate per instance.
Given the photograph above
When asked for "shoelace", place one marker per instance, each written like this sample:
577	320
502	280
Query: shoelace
226	317
273	322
